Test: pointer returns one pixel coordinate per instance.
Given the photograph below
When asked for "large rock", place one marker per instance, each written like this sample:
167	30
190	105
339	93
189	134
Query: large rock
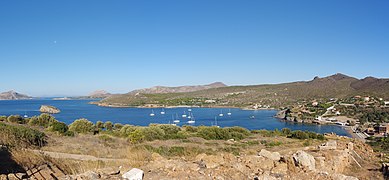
49	109
343	177
275	156
304	160
133	174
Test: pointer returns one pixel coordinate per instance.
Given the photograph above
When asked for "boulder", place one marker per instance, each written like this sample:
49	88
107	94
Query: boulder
88	175
304	160
275	156
211	161
49	109
133	174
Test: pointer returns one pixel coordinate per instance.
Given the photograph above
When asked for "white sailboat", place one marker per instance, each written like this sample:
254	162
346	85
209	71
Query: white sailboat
229	112
25	115
189	117
152	113
163	111
189	110
184	115
176	120
216	122
221	113
192	120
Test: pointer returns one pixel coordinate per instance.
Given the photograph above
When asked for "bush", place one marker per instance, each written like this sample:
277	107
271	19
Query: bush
100	125
16	119
153	133
81	126
15	136
126	130
286	131
118	126
69	133
136	136
108	126
59	127
43	120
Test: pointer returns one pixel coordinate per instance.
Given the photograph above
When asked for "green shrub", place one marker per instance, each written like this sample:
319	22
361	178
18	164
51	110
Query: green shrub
59	127
136	136
286	131
69	133
153	133
16	135
191	129
108	126
43	120
100	125
118	126
81	126
126	130
16	119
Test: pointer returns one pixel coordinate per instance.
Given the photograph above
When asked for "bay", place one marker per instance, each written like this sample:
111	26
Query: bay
75	109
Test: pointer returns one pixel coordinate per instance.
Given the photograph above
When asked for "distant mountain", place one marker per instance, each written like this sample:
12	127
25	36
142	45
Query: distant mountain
99	94
276	95
12	95
179	89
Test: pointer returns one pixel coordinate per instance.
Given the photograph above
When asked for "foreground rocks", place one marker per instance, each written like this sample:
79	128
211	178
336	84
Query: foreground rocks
49	109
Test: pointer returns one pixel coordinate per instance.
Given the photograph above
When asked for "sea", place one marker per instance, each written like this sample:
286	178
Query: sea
76	109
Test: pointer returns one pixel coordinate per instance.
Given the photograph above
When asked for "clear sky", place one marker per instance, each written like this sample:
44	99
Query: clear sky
73	47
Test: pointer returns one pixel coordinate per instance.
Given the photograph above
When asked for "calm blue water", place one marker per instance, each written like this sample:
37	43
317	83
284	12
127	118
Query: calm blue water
75	109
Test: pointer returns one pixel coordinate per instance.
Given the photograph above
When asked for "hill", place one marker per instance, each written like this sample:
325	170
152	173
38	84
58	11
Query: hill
12	95
274	95
99	94
179	89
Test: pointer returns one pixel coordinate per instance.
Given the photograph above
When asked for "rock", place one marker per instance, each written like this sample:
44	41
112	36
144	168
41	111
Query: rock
342	177
275	156
265	177
133	174
304	160
330	145
49	109
108	171
3	177
350	146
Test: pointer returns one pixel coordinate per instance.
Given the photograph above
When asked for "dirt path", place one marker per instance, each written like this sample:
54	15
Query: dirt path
81	157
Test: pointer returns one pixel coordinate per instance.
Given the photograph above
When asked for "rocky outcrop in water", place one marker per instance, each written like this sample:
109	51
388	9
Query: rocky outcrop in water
49	109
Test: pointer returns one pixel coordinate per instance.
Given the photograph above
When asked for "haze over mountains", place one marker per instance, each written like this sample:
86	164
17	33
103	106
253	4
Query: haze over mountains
334	86
179	89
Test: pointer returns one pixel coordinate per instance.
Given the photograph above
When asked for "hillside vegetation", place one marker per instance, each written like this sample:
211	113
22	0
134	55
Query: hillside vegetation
274	95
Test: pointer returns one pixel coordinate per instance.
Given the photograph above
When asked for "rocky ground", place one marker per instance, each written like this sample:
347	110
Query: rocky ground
338	158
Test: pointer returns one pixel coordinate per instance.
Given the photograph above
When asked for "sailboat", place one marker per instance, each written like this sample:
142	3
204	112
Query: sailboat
192	120
216	122
229	112
163	111
176	120
184	115
221	113
189	117
189	110
152	113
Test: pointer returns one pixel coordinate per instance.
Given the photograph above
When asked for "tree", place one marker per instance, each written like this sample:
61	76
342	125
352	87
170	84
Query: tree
108	126
81	126
59	127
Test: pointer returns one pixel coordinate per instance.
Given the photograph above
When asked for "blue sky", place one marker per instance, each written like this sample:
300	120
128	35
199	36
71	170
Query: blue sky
73	47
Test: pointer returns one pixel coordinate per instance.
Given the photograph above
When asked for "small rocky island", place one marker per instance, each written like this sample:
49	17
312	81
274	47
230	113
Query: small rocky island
49	109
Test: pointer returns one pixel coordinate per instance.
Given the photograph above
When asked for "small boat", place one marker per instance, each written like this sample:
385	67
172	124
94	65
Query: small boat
252	117
184	115
189	110
152	113
25	116
216	122
229	112
221	113
189	117
175	120
192	120
163	112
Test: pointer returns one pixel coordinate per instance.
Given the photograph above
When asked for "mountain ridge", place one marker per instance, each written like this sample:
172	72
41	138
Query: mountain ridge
275	95
13	95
